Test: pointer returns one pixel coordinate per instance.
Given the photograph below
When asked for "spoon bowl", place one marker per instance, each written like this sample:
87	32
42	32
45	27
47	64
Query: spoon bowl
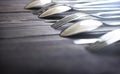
37	4
55	9
80	27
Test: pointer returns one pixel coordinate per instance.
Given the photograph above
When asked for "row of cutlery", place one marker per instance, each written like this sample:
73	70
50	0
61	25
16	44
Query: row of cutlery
75	17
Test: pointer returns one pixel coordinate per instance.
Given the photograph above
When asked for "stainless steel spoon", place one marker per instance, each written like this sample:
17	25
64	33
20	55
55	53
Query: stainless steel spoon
40	3
54	10
95	3
109	38
67	7
37	4
63	8
67	19
97	16
105	40
80	27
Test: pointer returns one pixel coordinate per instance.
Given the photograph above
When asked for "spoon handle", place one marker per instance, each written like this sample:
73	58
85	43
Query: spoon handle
86	3
100	6
97	9
108	13
85	41
72	1
96	3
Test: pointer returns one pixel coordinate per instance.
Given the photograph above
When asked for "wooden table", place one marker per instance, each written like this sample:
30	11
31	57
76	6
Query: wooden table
28	45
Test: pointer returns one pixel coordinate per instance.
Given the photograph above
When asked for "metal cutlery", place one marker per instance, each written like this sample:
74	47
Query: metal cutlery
79	10
37	4
73	1
85	41
105	40
67	19
87	21
40	3
109	13
54	10
95	3
96	9
80	27
97	16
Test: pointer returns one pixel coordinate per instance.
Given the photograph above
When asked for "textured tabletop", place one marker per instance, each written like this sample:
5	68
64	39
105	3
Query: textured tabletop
28	45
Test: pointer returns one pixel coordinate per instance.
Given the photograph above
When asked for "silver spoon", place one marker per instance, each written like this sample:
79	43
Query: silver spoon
105	40
40	3
95	3
78	16
80	27
68	19
54	10
96	9
85	41
72	1
64	8
105	37
37	4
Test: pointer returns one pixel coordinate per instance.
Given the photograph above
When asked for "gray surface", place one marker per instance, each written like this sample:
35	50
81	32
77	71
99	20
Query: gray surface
44	51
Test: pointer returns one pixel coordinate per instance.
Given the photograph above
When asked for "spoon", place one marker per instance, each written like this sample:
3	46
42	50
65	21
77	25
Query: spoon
95	3
105	40
81	15
63	8
72	1
40	3
80	27
93	36
68	19
55	9
85	41
37	4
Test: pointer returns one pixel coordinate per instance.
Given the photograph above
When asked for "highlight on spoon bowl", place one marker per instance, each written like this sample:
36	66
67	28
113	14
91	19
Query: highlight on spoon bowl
55	10
37	4
82	26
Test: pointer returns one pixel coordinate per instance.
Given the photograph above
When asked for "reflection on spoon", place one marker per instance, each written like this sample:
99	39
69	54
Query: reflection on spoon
82	26
37	4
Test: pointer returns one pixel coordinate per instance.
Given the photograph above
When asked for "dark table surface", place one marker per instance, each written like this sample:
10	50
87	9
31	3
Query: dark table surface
28	45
